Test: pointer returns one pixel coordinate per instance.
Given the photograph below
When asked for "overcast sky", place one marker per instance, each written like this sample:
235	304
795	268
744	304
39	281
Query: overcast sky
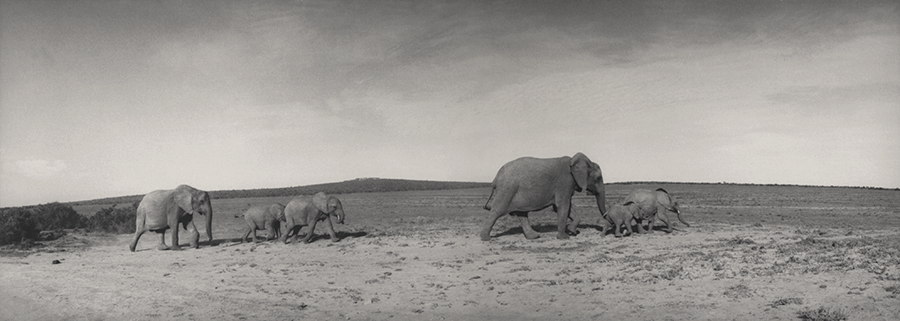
111	98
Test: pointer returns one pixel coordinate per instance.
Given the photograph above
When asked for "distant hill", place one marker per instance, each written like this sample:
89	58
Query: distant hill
359	185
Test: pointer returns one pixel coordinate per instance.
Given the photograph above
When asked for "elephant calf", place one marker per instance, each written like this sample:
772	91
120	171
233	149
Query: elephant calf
619	215
309	210
655	204
264	217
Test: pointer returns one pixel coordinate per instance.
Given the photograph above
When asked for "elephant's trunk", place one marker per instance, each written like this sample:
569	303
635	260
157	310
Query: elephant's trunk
601	199
209	215
340	215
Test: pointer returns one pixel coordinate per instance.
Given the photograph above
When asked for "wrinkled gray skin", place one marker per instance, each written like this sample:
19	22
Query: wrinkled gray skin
619	215
309	210
531	184
654	204
264	217
164	209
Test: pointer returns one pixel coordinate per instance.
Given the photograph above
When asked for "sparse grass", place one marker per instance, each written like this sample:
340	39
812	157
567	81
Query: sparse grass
787	301
739	291
893	289
738	240
822	314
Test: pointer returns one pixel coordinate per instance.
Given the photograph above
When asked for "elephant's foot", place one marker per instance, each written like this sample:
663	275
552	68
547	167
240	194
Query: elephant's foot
562	236
531	234
163	247
572	228
335	239
132	246
485	236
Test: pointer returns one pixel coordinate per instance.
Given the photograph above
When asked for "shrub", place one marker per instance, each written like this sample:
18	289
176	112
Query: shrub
822	314
787	301
16	225
54	216
117	220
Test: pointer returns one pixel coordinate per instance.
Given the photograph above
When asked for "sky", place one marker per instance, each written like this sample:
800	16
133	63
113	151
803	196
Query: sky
110	98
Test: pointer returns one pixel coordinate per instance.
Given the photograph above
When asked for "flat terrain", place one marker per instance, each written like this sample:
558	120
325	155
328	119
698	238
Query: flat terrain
751	253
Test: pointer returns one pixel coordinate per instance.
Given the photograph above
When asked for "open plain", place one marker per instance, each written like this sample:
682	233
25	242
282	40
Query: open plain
751	253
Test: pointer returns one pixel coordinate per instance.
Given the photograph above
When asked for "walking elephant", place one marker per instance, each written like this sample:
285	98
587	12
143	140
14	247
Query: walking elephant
309	210
530	184
164	209
264	217
619	215
654	204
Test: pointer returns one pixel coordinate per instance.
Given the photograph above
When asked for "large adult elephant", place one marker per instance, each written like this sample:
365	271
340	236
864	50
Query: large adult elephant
531	184
164	209
309	210
654	204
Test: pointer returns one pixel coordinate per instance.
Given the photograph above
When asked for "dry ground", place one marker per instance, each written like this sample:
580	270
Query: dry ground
416	256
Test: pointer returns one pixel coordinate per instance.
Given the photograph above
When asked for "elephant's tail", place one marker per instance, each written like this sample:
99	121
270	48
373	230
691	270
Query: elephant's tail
487	205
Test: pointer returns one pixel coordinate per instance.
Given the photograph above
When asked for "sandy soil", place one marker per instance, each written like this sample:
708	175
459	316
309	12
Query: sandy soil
443	271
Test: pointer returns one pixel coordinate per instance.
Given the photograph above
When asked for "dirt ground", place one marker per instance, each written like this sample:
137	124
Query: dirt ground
411	266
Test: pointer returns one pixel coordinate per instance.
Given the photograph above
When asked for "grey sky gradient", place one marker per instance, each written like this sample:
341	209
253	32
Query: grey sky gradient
108	98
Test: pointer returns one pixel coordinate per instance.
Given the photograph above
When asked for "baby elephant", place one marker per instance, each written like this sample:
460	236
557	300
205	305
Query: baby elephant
619	215
264	217
309	210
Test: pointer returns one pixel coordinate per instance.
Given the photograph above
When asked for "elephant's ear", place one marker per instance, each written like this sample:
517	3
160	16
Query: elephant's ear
666	200
580	167
320	201
185	198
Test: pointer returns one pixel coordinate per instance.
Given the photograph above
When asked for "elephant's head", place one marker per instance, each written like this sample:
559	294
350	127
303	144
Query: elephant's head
329	205
588	177
669	201
278	210
194	201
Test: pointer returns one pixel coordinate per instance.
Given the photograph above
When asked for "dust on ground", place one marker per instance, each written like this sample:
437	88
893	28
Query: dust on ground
438	269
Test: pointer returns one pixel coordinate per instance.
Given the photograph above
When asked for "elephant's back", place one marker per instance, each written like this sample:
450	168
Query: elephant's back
530	170
639	194
253	212
155	200
297	204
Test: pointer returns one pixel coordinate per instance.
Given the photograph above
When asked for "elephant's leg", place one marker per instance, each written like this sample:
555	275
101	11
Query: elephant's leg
137	236
496	212
288	226
309	233
572	229
640	225
529	232
194	235
296	230
331	232
603	227
173	224
270	230
244	238
664	217
162	240
562	220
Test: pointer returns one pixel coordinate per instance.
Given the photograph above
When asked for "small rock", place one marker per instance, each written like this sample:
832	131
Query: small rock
56	262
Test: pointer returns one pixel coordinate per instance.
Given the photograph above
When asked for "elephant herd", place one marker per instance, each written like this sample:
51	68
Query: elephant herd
521	186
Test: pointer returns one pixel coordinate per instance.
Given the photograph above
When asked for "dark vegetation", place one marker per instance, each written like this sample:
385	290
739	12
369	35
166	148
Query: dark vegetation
359	185
24	224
